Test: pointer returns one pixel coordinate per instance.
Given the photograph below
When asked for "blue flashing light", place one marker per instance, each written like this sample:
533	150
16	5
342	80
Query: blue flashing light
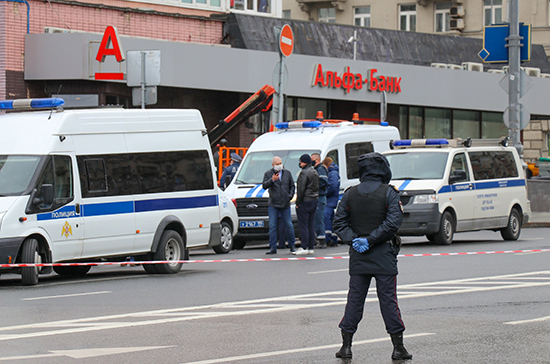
402	143
22	104
441	141
384	123
298	124
47	103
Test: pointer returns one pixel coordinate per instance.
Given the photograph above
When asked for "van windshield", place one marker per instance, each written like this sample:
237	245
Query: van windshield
257	163
411	165
16	172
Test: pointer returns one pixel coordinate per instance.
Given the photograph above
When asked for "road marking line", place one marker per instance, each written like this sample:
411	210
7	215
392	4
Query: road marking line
64	296
540	319
329	271
84	353
293	351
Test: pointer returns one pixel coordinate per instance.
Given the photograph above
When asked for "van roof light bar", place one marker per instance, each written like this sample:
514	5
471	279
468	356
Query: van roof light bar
298	124
29	104
421	143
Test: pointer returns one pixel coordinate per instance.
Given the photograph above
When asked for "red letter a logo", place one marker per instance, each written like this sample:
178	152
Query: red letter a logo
110	37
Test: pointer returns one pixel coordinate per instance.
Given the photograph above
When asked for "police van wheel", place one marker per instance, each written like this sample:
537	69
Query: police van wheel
30	254
226	243
513	229
72	271
446	230
170	248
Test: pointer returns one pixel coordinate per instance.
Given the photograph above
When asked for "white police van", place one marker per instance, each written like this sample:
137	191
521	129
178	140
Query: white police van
343	141
449	186
85	185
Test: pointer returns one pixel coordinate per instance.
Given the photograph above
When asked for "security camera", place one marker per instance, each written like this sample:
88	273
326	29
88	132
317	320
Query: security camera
351	39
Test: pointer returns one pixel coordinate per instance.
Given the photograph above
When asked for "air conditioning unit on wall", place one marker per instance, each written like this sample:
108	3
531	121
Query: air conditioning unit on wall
457	24
457	11
532	71
60	30
438	65
454	66
472	66
495	71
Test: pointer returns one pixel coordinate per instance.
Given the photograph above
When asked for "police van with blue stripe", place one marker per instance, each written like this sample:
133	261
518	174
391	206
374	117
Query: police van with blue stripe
107	184
343	141
449	186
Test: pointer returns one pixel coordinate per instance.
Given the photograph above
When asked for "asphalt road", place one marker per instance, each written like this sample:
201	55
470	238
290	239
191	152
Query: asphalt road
474	308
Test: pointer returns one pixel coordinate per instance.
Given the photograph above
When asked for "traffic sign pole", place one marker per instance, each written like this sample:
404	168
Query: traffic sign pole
280	88
514	45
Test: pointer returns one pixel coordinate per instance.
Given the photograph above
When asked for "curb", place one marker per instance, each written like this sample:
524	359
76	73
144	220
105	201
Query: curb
537	225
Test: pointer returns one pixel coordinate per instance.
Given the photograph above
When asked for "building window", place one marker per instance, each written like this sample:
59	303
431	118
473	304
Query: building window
327	15
407	18
442	17
492	125
416	122
492	11
259	6
361	16
466	124
437	123
286	14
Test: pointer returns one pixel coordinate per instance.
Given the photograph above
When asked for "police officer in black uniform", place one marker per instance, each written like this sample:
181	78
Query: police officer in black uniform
367	218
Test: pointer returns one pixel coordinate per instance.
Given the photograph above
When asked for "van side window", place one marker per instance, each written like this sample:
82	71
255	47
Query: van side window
460	164
96	176
63	178
353	151
334	155
142	173
490	165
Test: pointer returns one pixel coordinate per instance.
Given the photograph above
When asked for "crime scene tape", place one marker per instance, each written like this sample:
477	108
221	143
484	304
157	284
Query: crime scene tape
247	260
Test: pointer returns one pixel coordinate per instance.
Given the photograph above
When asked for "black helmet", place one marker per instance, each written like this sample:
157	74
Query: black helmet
223	142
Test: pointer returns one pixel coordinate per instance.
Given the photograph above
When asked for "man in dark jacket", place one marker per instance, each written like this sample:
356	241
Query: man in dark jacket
333	194
322	201
281	187
367	218
306	204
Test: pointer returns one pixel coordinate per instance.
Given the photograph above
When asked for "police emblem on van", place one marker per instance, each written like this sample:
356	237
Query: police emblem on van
67	230
251	206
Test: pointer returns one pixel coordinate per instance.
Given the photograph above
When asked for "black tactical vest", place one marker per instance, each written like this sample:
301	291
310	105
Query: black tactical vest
367	210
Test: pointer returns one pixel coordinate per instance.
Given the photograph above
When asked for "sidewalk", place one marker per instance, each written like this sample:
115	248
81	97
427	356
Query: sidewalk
538	220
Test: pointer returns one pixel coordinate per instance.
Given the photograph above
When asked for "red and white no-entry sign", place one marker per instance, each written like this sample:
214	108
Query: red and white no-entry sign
286	40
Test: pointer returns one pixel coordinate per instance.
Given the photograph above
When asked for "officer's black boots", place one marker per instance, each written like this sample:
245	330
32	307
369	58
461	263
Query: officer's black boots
399	351
345	350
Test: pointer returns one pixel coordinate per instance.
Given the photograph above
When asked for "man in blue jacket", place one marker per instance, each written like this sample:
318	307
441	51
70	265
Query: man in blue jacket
367	218
230	171
333	193
322	200
280	184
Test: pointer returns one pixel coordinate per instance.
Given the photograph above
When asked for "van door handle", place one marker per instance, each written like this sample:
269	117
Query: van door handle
471	186
77	208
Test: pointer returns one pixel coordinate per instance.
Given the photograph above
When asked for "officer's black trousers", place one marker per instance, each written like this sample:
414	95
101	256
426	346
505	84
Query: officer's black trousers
386	288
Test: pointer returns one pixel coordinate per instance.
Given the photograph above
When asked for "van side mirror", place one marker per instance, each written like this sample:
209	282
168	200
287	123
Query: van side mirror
46	195
457	176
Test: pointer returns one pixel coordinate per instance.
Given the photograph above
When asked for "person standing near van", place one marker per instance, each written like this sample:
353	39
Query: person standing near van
230	171
281	188
333	193
307	196
223	143
367	218
320	213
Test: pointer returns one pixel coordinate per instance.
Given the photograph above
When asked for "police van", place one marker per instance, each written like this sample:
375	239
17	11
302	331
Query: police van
96	184
449	186
343	141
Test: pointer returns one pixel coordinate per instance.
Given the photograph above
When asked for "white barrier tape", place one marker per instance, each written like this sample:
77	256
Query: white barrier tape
24	265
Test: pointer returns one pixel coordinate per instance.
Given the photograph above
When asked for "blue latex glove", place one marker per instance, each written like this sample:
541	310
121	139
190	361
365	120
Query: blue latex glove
361	245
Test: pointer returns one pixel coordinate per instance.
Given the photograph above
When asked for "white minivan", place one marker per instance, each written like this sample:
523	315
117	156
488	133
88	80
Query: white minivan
343	141
449	186
107	183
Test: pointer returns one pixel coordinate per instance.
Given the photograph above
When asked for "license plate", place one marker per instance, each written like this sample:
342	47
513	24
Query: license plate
251	224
